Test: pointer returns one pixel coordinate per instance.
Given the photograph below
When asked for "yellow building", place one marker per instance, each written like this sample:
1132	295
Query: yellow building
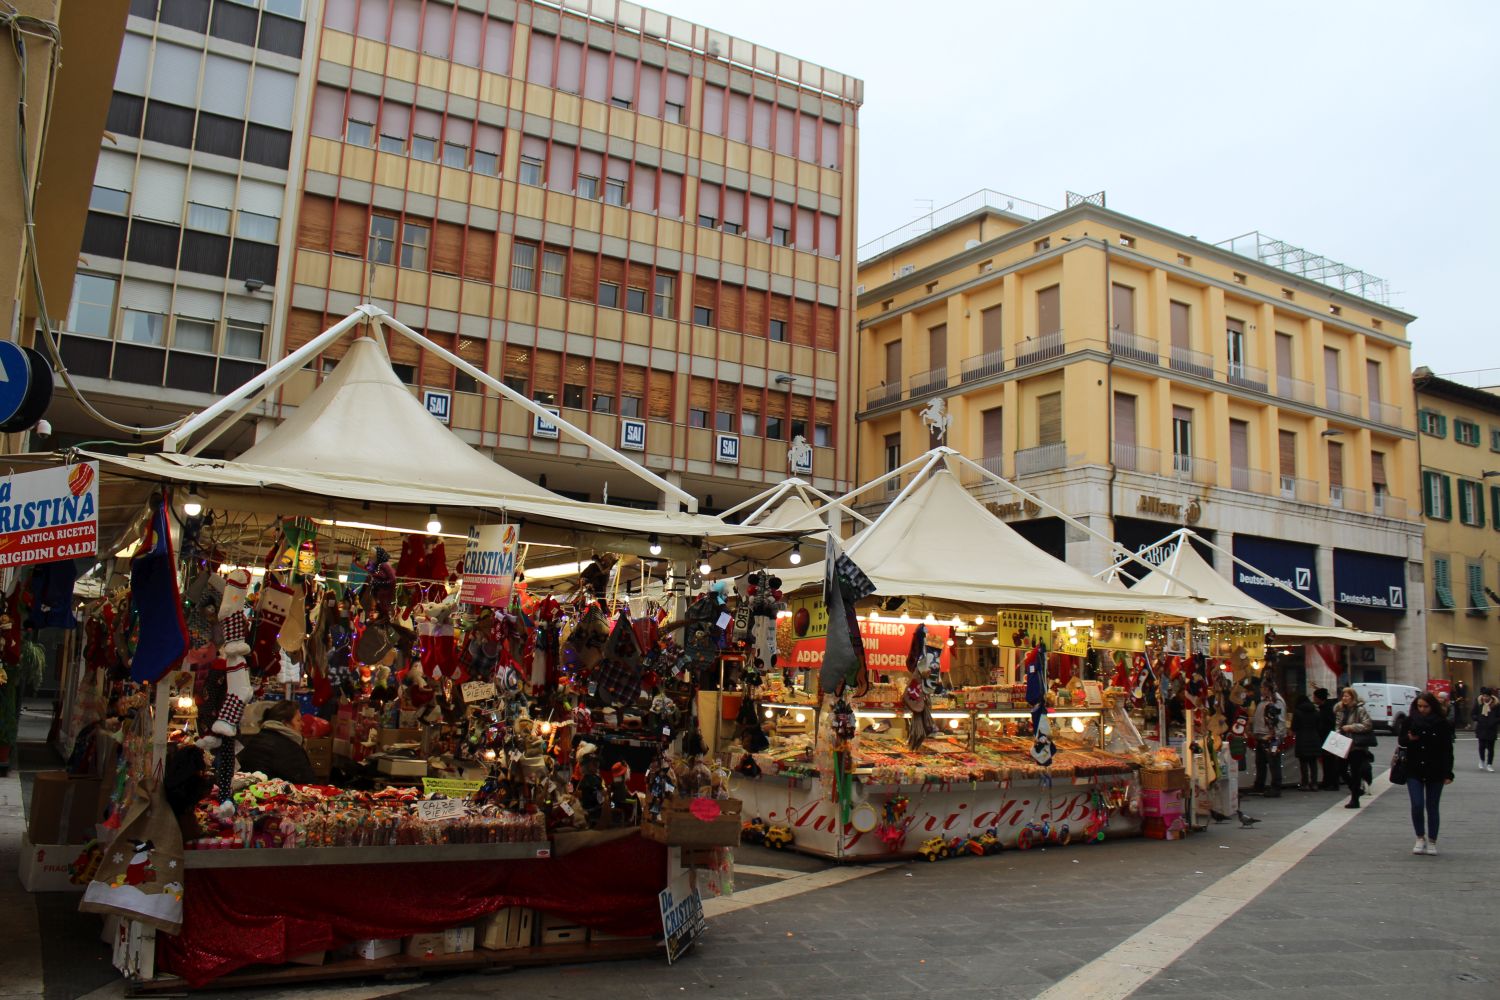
1140	380
1459	439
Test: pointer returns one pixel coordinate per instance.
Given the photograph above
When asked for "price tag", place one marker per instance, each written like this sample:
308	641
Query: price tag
724	620
439	809
478	691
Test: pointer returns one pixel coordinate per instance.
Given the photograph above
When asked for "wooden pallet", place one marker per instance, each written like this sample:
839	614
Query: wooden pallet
408	967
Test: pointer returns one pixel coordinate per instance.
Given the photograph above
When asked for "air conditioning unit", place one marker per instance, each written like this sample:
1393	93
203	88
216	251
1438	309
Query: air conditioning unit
905	270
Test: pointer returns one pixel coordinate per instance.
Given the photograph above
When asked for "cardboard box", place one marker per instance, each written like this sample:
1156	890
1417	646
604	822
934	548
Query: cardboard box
44	867
1164	781
680	827
562	930
1166	805
370	949
390	737
320	755
341	748
310	958
512	927
457	940
64	809
402	767
425	945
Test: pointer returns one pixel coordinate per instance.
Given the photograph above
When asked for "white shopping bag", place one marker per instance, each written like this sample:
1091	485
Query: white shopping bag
1337	744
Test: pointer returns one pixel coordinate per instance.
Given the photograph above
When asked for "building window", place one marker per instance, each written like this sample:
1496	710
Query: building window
517	383
1182	439
382	239
1495	507
1470	503
1495	439
635	300
777	331
554	270
393	144
455	155
604	403
724	421
893	461
1442	584
486	163
358	133
630	406
1466	432
732	228
244	339
254	226
773	428
781	236
209	219
531	170
1478	604
1432	423
614	191
424	148
588	187
193	335
708	221
573	396
673	113
523	267
661	304
144	328
103	199
823	435
609	294
749	423
1437	496
414	246
697	418
703	316
93	305
1042	244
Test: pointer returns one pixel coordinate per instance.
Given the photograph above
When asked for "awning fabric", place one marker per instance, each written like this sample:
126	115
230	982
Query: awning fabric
1458	651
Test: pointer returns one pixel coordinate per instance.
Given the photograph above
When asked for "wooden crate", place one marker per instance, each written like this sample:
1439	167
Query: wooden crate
680	828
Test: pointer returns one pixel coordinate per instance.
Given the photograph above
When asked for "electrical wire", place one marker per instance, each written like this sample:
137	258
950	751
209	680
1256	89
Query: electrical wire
20	26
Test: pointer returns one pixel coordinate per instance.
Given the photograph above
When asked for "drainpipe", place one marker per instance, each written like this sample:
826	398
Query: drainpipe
1109	387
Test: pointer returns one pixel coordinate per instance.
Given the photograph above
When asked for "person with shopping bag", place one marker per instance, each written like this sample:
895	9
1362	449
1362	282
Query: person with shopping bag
1351	719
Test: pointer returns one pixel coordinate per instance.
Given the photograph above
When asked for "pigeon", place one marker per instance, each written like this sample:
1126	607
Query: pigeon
1246	821
1218	816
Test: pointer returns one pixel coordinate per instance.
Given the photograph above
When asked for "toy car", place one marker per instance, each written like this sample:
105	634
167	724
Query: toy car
779	837
987	843
934	849
753	832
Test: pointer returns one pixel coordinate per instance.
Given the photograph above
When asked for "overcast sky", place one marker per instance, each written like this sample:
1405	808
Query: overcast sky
1368	132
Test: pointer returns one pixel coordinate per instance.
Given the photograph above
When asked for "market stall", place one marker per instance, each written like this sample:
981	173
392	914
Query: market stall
354	747
966	729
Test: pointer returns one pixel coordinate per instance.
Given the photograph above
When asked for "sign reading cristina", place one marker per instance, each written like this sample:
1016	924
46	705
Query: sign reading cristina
49	515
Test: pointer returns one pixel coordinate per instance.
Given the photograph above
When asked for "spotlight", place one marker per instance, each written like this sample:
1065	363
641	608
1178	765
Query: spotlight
654	544
433	524
797	554
192	506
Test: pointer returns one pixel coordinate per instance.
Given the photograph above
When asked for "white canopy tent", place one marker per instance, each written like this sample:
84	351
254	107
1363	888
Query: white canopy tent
1225	600
361	440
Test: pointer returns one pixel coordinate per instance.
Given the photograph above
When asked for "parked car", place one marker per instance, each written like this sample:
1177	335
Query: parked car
1387	703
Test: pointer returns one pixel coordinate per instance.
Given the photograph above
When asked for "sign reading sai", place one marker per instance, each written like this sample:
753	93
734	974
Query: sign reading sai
682	919
490	565
49	515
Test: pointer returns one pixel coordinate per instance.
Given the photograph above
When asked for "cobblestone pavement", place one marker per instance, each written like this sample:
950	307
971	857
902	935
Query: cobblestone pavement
1357	916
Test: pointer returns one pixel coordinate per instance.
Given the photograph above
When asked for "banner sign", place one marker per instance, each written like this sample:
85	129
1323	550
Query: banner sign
1120	630
49	515
1275	561
1226	636
886	646
809	617
433	810
1017	627
490	565
454	788
1367	580
682	919
1069	641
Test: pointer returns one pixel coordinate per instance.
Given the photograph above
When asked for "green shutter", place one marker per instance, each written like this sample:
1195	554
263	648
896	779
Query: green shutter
1427	508
1477	603
1442	425
1441	584
1446	514
1495	507
1463	503
1477	491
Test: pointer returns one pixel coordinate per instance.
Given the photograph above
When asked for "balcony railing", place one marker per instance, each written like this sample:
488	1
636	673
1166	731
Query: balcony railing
1192	468
1192	362
1294	389
882	394
1300	490
1344	402
992	463
1382	504
1043	458
1133	348
982	366
928	382
1035	350
1385	413
1249	480
1134	458
1246	377
1347	498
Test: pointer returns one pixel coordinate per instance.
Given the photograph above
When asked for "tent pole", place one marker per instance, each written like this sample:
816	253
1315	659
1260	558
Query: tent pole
230	421
921	460
932	459
1141	552
676	493
272	376
765	499
1281	586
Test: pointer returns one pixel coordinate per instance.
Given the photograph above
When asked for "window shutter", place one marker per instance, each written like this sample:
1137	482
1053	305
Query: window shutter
728	400
731	307
1048	313
1122	308
1377	468
583	283
1287	446
1284	364
479	261
994	434
755	312
705	293
700	393
315	222
1477	602
826	333
1442	583
822	411
989	321
1476	501
639	276
1331	368
801	407
612	269
351	228
1464	514
1124	419
780	307
660	402
1495	507
1372	380
633	381
1181	335
548	369
893	364
937	346
750	400
302	325
447	247
1049	418
1447	512
776	404
802	323
606	377
1335	464
576	370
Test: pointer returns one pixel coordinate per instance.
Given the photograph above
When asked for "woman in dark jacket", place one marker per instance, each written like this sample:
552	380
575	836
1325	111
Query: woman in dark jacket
276	751
1428	740
1307	735
1486	726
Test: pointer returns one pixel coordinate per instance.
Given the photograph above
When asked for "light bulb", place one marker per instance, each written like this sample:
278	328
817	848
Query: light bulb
952	723
801	716
433	524
343	578
1108	730
488	755
703	565
969	641
1202	620
770	714
654	544
192	508
950	642
546	728
995	641
931	618
184	702
905	617
979	619
797	554
1077	725
874	615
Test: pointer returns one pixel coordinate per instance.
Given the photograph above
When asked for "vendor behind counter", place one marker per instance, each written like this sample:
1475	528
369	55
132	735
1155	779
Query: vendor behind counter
276	748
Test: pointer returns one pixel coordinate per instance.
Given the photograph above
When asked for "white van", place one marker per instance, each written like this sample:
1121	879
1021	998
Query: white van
1387	703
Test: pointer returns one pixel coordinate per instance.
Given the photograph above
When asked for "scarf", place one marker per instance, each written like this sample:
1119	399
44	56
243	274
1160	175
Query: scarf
283	729
1485	705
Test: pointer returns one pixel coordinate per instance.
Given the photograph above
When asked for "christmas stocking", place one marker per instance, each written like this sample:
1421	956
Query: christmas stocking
271	611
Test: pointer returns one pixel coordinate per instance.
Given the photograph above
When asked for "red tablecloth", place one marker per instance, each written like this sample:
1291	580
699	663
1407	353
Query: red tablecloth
247	916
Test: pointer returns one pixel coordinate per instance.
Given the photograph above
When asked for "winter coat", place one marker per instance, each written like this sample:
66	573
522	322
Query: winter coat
1486	727
1357	718
1325	717
1429	752
277	756
1260	725
1307	729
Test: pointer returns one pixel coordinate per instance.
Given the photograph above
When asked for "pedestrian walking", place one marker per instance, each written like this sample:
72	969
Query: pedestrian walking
1351	719
1268	725
1487	726
1428	740
1333	764
1307	741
